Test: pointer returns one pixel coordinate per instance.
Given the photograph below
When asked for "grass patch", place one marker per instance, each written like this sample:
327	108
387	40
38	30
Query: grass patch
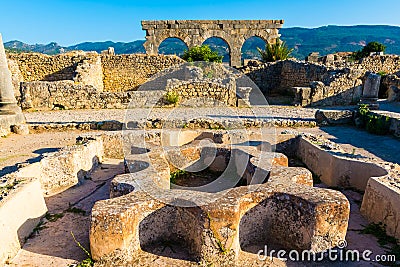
89	262
12	156
391	243
53	217
76	210
177	174
172	97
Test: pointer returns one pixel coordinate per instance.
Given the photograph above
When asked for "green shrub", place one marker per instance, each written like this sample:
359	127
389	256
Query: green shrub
376	124
172	97
381	73
369	48
274	52
201	53
178	174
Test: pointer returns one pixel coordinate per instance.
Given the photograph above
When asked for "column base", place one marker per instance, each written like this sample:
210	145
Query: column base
9	108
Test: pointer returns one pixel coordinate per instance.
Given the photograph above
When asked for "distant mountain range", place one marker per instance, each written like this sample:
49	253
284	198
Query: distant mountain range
325	40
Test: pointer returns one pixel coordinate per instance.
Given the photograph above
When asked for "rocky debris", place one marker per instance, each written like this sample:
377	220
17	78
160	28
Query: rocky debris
22	129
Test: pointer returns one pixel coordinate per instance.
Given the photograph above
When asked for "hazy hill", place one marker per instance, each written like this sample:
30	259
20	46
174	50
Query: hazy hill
327	39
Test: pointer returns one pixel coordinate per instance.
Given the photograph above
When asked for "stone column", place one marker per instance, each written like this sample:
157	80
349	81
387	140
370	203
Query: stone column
243	94
8	103
371	90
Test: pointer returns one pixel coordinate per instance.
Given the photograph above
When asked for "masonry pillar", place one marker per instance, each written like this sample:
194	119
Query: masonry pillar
8	103
150	47
236	57
371	90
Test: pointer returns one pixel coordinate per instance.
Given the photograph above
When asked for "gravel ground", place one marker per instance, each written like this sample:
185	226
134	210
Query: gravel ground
277	112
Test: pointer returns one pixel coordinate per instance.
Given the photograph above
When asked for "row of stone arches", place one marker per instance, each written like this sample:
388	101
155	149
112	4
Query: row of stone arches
176	46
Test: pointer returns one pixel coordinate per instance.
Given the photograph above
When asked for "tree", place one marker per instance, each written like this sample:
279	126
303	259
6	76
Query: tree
201	53
274	52
368	49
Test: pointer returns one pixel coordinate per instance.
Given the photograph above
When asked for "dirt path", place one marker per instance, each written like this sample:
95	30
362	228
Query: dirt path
29	148
69	211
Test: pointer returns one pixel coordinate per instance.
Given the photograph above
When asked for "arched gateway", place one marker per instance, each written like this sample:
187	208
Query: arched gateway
195	32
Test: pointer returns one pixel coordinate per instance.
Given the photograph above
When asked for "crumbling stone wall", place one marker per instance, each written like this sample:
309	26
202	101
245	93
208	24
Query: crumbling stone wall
378	63
105	72
68	95
205	92
16	77
41	67
339	83
90	72
128	72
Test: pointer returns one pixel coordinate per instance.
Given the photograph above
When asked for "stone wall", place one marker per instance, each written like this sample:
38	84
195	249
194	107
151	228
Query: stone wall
17	77
339	83
204	92
68	95
41	67
112	73
385	63
90	72
128	72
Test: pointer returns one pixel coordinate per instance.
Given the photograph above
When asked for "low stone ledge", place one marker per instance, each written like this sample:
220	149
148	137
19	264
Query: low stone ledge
381	203
337	171
60	170
334	117
20	212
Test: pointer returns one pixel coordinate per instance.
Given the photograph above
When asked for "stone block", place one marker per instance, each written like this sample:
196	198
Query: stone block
334	117
21	129
20	212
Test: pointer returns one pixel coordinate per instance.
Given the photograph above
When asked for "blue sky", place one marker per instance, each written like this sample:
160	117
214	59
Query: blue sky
69	22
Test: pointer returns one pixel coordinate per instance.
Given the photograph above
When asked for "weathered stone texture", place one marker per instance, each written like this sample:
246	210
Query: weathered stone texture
60	170
90	72
211	92
68	95
104	72
195	32
392	84
128	72
41	67
20	212
380	203
316	84
286	209
17	77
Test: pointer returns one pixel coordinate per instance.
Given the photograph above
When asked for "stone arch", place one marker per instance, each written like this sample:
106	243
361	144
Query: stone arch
264	36
195	32
183	37
247	39
228	40
153	42
169	38
225	44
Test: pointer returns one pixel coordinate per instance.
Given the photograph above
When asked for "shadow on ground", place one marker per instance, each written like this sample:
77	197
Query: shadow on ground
385	147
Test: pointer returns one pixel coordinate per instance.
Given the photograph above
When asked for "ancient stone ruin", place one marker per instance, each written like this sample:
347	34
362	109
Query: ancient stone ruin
256	201
195	32
177	163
